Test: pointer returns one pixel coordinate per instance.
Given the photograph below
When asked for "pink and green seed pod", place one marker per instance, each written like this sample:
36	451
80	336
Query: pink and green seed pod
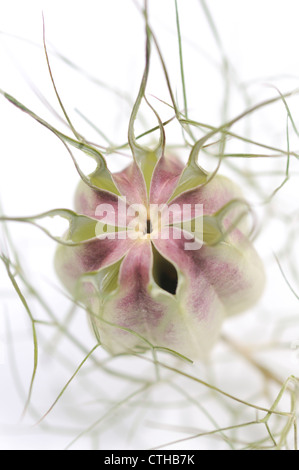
149	290
142	283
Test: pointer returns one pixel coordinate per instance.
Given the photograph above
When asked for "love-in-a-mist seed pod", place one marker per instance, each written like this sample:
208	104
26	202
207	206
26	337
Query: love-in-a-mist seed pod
165	256
161	278
159	253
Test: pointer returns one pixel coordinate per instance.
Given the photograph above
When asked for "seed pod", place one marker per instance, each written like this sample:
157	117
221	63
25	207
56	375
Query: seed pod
168	275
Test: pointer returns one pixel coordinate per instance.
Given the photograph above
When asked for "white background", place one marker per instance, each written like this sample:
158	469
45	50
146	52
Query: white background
106	40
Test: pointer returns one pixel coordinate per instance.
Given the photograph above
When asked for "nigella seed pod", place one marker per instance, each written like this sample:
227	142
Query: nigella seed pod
162	253
147	287
159	252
